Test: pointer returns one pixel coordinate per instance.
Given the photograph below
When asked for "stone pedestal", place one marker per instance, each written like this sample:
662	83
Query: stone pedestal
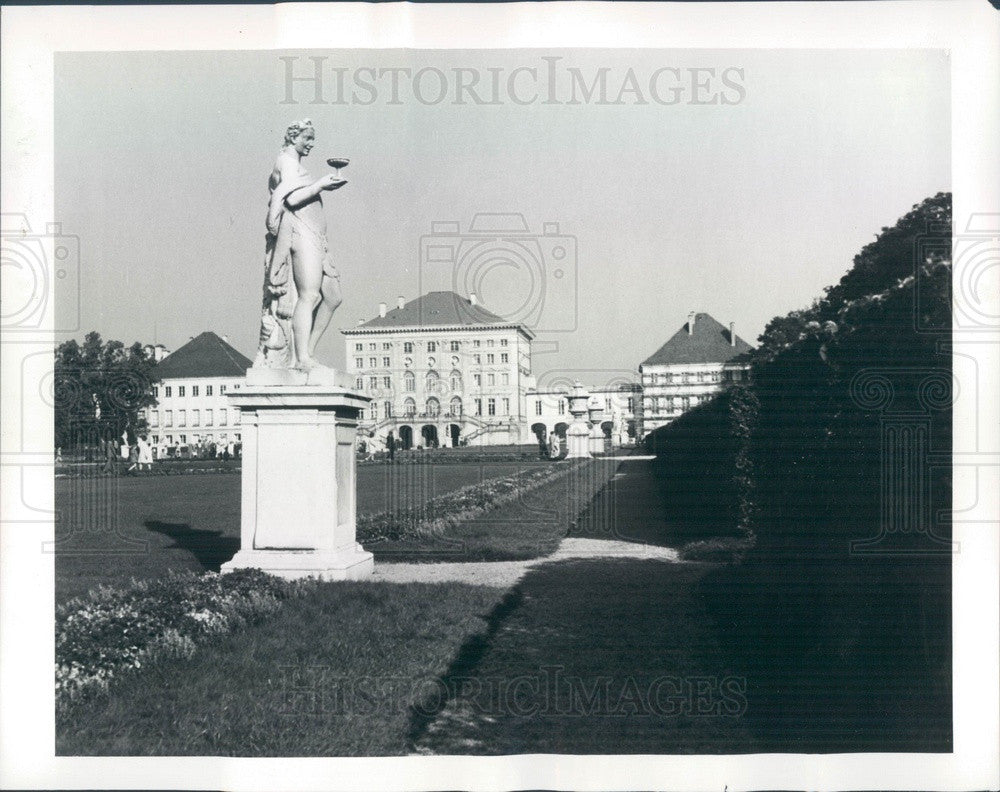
298	516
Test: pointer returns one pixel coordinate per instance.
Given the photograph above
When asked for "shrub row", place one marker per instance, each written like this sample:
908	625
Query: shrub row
437	515
112	631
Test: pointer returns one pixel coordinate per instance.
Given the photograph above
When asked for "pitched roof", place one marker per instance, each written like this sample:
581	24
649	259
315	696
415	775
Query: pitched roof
709	343
443	308
206	355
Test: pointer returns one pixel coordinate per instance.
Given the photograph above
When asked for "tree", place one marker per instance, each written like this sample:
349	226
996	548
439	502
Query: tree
100	388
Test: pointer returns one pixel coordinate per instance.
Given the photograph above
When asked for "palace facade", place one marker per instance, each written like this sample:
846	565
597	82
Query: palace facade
442	370
191	408
699	360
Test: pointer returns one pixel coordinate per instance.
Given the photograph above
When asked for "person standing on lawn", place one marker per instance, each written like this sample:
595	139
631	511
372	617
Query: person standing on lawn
390	444
145	453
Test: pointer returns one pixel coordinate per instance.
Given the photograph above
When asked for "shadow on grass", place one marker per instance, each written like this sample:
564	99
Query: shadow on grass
210	548
423	713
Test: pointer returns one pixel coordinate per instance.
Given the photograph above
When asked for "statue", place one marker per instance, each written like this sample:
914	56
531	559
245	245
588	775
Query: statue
301	284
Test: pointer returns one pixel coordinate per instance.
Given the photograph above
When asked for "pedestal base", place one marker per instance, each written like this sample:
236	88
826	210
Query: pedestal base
348	564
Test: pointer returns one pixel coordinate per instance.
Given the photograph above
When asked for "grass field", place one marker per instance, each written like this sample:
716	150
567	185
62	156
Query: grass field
112	529
332	674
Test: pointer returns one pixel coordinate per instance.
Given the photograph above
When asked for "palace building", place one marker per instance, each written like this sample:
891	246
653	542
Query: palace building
191	407
699	360
442	370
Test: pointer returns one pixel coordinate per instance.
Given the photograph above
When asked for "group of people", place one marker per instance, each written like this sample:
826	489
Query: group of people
135	452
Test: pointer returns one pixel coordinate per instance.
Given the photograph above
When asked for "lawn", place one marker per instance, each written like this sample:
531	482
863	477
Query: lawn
332	674
110	530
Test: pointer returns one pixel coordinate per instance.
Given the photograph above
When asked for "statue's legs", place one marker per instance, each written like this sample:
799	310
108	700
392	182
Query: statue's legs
331	299
307	270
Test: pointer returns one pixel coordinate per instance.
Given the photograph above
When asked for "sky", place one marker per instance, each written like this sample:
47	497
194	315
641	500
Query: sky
744	208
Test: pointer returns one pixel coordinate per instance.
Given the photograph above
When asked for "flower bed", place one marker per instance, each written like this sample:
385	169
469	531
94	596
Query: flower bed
113	631
435	516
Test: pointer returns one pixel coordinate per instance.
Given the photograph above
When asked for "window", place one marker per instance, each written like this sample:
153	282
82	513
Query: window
167	392
433	408
372	362
432	346
504	357
454	346
479	406
701	376
208	390
209	417
387	382
358	347
477	359
373	382
387	409
631	404
409	407
456	406
182	418
538	407
562	407
506	406
503	342
385	362
491	379
607	403
685	403
359	383
408	347
156	391
222	389
386	346
476	343
489	342
223	417
490	359
456	381
359	362
505	379
361	414
371	347
478	379
433	382
236	386
195	417
491	406
154	418
194	390
409	381
183	439
180	390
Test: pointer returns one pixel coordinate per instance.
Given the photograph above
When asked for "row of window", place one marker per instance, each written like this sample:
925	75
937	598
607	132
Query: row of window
168	390
671	404
691	376
386	362
432	408
561	405
195	416
432	346
432	382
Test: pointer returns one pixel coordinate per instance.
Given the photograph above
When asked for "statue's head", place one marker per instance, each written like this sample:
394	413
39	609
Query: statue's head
301	135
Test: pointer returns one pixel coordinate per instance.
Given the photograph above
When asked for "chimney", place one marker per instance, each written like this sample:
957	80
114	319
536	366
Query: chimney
472	298
691	323
381	309
732	334
400	301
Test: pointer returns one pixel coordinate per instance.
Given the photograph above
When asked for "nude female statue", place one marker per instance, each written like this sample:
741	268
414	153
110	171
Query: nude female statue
301	284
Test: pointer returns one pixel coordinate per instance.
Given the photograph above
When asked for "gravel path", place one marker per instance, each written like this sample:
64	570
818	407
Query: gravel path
504	574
